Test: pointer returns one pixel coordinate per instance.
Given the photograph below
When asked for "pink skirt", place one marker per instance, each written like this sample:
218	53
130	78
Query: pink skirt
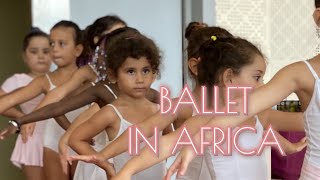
30	153
309	172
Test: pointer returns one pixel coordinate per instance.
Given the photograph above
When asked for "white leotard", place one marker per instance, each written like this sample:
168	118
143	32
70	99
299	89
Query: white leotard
53	131
89	171
311	164
155	172
238	166
198	168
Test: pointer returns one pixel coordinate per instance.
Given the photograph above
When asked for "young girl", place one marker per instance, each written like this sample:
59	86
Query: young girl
306	85
224	63
89	171
66	47
160	120
133	62
28	151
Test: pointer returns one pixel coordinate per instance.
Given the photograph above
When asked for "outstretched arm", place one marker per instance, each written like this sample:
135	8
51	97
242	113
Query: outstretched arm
12	112
120	145
82	75
24	94
282	121
147	158
289	147
92	94
66	105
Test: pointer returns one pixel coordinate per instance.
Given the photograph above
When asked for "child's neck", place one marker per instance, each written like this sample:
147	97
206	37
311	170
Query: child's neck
69	69
34	74
197	93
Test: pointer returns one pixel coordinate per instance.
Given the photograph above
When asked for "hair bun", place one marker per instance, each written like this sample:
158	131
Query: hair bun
35	29
193	26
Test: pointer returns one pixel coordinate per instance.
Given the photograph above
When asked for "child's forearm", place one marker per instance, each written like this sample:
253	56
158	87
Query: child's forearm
13	113
289	147
84	116
121	144
63	122
147	158
55	109
84	148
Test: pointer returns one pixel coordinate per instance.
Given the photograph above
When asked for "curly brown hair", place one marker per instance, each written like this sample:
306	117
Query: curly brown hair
132	45
317	3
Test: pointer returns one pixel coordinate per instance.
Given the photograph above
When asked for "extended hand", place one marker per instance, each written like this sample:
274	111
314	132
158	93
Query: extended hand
181	163
96	158
27	131
8	131
297	147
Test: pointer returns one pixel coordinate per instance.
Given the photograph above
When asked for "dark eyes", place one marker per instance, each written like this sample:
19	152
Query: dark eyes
130	71
258	78
61	44
144	71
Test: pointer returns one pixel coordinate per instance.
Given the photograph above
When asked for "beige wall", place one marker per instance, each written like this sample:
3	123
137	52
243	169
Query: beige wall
15	19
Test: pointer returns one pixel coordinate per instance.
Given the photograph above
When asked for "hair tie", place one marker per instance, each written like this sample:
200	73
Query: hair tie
214	38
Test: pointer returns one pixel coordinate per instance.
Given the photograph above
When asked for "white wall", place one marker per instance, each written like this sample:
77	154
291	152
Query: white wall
284	30
47	13
159	20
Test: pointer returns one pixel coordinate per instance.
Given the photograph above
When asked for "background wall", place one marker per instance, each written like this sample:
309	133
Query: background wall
15	18
284	30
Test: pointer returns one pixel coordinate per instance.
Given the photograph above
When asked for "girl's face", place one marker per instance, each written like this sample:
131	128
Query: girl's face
135	76
250	75
37	55
64	49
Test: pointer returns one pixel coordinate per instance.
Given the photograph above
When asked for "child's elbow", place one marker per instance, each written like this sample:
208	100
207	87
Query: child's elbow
73	141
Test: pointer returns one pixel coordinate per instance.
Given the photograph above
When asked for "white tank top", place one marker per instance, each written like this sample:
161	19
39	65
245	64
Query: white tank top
101	140
155	172
200	168
239	166
87	171
52	86
312	123
53	131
